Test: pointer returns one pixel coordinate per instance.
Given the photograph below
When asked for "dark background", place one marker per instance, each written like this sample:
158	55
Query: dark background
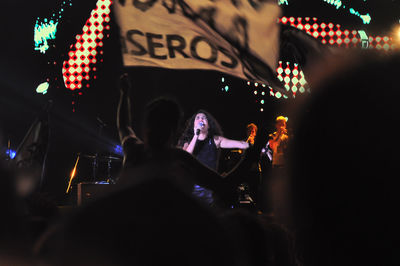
73	132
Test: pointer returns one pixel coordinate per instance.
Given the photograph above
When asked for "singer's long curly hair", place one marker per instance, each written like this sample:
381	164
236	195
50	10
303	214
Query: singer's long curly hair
213	130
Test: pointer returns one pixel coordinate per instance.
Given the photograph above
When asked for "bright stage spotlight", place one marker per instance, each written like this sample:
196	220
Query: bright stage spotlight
395	35
11	154
118	150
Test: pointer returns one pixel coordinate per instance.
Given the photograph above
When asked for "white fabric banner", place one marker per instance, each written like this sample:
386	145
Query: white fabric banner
237	37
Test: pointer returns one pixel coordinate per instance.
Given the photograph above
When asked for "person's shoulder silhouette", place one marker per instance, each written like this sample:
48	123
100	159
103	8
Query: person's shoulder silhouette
152	223
343	160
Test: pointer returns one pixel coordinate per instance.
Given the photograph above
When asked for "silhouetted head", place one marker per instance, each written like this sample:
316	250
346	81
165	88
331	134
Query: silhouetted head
162	120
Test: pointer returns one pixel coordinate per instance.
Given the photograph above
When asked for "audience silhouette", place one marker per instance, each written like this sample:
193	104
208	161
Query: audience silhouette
343	189
338	196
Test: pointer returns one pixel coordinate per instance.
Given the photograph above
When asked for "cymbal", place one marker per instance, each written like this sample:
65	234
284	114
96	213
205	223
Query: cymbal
101	157
90	156
109	158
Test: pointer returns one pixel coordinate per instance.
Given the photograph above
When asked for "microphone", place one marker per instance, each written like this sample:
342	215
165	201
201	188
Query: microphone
201	124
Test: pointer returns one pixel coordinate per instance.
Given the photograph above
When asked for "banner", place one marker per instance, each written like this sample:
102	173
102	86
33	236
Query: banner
237	37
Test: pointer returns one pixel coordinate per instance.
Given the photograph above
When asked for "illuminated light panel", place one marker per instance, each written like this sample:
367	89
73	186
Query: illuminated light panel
43	32
83	53
328	33
43	87
365	18
334	35
336	3
45	29
283	2
339	4
293	78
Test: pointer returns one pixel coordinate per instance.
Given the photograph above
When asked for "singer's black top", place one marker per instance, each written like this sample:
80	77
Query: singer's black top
207	153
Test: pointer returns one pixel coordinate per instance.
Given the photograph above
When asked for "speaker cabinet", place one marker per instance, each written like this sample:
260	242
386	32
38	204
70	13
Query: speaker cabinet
87	191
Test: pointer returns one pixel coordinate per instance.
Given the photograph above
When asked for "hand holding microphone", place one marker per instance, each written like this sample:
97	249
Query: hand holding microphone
201	125
282	130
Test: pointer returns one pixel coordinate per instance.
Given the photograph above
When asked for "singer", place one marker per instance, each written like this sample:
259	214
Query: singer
203	138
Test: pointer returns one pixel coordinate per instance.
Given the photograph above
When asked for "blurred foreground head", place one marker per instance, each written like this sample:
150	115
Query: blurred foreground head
163	116
344	168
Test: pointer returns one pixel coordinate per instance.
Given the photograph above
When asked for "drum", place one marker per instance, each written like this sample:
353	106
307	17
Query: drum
99	168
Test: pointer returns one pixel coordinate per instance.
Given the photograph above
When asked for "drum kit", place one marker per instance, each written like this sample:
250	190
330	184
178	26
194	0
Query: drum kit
96	168
104	168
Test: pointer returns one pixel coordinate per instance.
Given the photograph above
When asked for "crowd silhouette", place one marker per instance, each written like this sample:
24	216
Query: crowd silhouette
338	195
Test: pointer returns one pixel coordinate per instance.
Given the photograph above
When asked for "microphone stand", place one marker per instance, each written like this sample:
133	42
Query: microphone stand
94	167
96	155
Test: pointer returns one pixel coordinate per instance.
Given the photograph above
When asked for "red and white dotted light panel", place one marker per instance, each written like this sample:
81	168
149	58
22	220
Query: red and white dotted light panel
333	34
83	54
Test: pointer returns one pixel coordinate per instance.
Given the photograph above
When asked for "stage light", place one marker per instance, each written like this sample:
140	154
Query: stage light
118	150
11	154
72	176
42	88
395	32
45	29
